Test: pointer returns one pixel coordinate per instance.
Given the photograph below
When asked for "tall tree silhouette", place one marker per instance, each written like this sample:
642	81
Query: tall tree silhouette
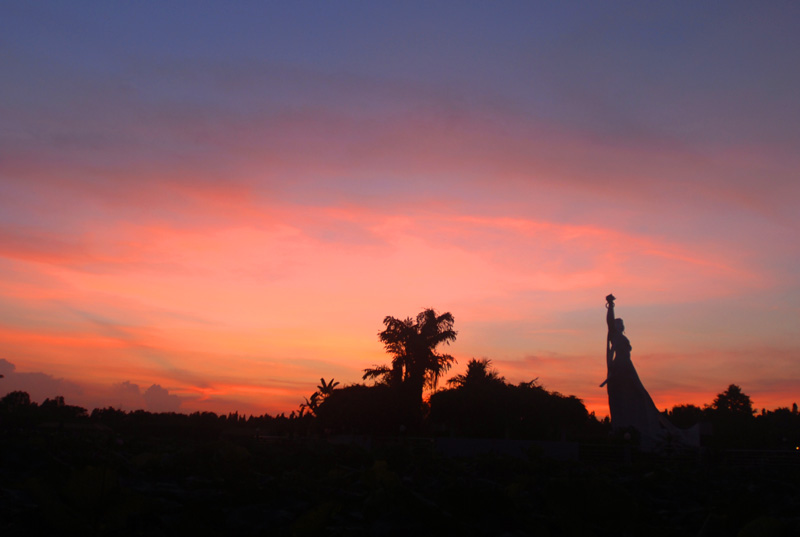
733	401
733	420
415	362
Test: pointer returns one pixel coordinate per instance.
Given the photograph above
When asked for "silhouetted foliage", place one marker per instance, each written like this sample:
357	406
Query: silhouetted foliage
732	417
733	402
360	409
17	409
58	410
780	428
326	388
483	405
685	416
140	473
472	410
479	373
310	404
14	400
113	417
415	362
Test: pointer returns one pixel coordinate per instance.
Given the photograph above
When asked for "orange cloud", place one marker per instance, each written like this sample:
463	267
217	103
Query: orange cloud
285	290
258	253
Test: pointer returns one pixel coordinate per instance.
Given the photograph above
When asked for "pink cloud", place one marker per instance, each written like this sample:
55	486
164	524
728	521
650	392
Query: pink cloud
158	399
293	234
286	290
411	138
38	385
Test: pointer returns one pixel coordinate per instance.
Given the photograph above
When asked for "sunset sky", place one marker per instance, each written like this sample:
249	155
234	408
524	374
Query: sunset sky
211	205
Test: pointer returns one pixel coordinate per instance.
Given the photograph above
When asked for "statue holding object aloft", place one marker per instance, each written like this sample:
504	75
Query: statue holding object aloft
629	402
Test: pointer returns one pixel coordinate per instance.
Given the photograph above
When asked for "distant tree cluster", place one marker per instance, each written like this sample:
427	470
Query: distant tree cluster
731	421
18	412
478	403
16	408
482	404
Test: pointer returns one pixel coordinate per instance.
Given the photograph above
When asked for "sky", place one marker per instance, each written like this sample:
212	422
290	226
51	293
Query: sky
208	206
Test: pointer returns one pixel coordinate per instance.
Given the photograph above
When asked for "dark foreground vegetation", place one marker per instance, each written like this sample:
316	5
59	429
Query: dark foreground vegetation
64	471
481	457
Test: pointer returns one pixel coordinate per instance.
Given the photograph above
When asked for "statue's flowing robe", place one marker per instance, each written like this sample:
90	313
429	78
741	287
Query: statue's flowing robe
630	404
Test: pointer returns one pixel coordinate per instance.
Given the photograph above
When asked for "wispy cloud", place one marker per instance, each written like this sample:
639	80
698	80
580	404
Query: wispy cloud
215	216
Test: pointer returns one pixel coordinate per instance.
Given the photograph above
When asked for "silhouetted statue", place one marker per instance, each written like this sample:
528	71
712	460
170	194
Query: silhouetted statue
628	401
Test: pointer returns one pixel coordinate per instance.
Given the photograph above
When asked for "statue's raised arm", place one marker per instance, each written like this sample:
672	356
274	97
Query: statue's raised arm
610	315
612	329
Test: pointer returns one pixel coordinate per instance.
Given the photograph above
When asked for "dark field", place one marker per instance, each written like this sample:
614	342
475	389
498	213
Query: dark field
89	479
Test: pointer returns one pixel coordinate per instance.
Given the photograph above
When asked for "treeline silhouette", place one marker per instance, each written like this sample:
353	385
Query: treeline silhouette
67	471
478	408
479	403
367	459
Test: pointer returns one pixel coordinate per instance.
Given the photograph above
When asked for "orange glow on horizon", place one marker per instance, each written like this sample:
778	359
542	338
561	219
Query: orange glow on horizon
269	257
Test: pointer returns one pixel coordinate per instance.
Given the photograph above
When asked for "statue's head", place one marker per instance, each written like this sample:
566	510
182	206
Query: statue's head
619	325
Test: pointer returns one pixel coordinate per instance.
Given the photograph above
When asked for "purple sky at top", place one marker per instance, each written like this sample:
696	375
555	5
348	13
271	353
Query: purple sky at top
173	174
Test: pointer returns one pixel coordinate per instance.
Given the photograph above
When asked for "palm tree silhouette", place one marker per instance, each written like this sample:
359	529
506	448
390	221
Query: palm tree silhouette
415	362
310	405
324	389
